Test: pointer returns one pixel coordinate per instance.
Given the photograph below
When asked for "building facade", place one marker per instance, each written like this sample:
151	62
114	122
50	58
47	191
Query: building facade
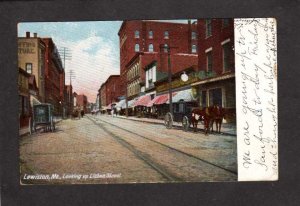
216	63
148	37
54	78
110	91
24	97
82	102
31	58
69	99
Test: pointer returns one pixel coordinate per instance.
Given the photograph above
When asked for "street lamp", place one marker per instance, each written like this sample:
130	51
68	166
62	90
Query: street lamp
184	77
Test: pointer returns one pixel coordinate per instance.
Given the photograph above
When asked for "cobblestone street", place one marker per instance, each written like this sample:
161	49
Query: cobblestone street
103	149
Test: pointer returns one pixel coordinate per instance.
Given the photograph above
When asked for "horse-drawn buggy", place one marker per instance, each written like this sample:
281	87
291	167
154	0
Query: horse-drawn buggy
182	112
43	116
189	114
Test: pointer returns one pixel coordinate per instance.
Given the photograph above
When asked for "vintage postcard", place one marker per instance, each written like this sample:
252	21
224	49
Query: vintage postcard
147	101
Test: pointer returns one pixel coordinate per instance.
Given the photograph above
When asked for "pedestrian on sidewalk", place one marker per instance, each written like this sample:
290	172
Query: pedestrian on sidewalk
112	112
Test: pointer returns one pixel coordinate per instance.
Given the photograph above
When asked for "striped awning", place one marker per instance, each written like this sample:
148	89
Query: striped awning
161	99
143	101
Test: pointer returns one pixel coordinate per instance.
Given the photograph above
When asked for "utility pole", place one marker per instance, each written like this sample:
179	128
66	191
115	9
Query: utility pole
66	54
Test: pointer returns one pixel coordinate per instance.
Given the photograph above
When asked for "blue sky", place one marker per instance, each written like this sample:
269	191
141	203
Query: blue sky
94	47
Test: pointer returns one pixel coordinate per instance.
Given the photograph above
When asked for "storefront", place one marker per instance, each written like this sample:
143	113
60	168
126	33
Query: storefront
218	90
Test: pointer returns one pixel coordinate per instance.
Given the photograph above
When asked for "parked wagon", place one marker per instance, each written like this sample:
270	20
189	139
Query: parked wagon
43	116
182	112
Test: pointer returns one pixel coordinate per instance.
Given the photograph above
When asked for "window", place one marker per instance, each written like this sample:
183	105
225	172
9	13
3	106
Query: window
225	23
226	57
166	48
136	34
209	61
150	34
208	27
137	48
166	34
203	98
215	97
29	68
194	35
194	48
150	49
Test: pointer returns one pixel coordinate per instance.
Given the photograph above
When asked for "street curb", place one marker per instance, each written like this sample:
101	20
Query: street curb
176	126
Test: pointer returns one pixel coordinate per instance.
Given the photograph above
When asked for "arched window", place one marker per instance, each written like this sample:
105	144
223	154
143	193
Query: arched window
137	48
150	34
150	49
136	34
194	48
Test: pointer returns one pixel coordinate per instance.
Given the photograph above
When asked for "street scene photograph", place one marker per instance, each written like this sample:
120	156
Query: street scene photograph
133	101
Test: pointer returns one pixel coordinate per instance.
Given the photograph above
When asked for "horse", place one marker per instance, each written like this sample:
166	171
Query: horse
202	115
217	114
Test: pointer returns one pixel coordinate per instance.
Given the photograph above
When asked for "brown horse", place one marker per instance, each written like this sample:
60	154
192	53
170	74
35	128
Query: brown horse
217	114
201	115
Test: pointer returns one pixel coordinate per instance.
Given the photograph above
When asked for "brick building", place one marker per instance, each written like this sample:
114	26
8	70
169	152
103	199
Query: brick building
216	63
82	102
54	78
140	44
110	90
69	99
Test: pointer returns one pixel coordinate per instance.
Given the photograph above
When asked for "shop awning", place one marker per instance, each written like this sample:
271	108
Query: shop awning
185	95
143	100
132	102
110	105
161	99
121	104
34	100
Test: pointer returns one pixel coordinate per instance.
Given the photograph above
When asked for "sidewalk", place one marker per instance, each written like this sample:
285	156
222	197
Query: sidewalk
226	128
25	130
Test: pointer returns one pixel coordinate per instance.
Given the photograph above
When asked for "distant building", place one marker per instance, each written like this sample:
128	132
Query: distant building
31	58
69	99
82	102
110	90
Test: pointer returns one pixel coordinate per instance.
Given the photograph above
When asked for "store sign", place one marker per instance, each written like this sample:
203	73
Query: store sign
26	48
177	83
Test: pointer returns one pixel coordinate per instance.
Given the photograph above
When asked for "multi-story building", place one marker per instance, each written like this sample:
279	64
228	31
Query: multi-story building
142	42
82	102
54	77
110	90
31	58
69	99
102	96
216	63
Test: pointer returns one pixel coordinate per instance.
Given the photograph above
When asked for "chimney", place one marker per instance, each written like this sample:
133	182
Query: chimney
27	34
35	35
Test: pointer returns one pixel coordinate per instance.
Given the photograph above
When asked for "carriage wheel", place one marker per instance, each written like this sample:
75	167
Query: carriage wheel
52	125
168	120
185	123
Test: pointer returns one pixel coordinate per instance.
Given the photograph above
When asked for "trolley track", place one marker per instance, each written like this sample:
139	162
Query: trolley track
161	144
139	154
